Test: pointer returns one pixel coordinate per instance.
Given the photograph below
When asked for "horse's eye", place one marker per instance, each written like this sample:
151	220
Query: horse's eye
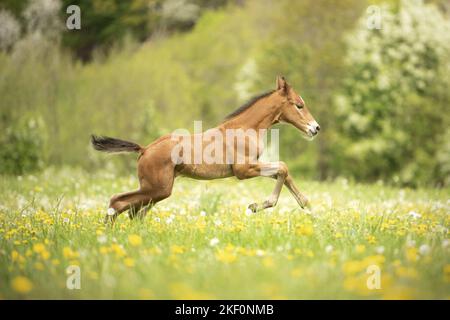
299	106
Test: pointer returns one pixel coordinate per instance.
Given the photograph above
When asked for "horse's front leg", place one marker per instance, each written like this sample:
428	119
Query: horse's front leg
277	170
301	199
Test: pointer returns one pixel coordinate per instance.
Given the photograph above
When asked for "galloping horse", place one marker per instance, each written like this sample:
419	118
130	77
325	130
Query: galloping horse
170	156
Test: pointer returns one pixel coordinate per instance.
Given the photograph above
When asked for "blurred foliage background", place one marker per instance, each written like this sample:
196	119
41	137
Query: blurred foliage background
141	68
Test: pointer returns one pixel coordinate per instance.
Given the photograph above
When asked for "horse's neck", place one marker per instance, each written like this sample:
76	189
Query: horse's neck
257	117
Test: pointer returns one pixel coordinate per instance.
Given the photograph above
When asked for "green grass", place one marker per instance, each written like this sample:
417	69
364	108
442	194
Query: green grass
54	219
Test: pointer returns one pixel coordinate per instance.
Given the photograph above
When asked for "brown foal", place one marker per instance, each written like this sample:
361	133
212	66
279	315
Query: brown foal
170	156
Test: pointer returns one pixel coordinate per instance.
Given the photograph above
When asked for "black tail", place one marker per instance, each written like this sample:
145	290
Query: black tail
107	144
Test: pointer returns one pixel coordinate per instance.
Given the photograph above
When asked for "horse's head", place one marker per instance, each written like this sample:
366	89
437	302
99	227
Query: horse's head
294	111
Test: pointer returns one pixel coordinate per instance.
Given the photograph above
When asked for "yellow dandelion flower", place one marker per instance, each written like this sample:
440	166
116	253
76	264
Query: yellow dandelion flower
357	284
68	253
134	240
371	239
175	249
309	254
338	235
21	285
305	230
268	262
104	250
447	273
226	256
38	247
129	262
16	257
118	250
45	254
411	254
377	259
352	267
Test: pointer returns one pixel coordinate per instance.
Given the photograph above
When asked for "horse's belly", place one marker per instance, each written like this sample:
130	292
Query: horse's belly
205	171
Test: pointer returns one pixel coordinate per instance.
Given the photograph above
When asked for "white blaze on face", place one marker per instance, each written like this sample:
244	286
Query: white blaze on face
302	102
312	128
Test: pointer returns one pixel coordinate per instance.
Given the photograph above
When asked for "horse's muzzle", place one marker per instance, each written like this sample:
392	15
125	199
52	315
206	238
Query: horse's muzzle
313	128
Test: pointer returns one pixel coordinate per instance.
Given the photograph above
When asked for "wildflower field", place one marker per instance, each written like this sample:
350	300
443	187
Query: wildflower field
201	243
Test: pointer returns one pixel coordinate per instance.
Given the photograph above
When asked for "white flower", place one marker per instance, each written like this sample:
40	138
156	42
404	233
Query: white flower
414	214
203	213
424	249
110	212
9	33
379	250
445	243
169	220
329	248
248	212
410	243
217	222
157	219
260	252
66	220
213	242
102	238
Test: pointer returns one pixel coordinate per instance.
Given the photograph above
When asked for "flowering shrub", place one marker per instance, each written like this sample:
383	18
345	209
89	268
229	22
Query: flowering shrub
21	147
392	111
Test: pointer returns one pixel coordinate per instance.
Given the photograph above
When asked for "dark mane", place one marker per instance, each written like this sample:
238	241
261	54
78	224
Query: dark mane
248	104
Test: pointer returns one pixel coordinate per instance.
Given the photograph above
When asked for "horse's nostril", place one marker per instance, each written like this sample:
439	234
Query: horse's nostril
317	128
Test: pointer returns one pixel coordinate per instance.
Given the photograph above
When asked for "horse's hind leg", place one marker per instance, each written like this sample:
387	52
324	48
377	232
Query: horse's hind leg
156	195
133	200
138	202
156	176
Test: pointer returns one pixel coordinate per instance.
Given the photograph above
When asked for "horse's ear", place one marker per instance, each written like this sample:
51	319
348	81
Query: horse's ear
282	84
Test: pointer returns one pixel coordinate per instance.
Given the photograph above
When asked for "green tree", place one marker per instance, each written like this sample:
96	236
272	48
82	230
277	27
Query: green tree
393	112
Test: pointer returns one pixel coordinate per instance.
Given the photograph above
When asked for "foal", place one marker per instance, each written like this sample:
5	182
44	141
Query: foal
177	155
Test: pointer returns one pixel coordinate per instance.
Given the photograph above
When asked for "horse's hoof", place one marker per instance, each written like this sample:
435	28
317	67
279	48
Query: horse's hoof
109	220
253	207
308	204
305	203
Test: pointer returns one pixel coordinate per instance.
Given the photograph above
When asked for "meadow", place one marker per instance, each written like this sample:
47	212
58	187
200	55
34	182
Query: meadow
201	243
